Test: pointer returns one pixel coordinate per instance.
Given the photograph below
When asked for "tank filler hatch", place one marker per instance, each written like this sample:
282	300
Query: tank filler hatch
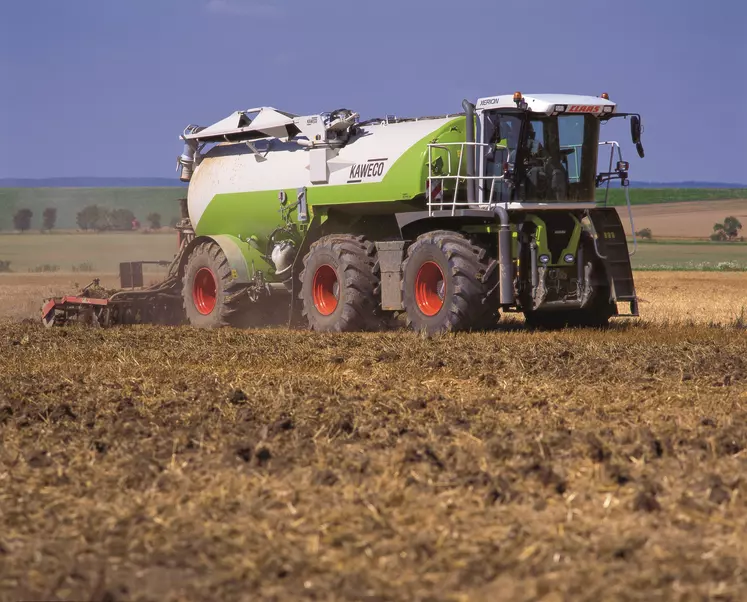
252	124
315	132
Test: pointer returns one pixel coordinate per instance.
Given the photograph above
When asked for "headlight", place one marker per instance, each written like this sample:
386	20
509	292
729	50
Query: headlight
544	258
568	258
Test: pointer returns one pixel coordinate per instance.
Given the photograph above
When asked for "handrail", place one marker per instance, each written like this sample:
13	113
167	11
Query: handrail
458	176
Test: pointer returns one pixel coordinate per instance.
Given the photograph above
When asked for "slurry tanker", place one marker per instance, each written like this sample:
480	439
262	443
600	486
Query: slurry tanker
342	224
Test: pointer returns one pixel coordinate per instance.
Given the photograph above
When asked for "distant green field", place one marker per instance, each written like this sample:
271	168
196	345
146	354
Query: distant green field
69	201
689	256
142	201
102	251
653	196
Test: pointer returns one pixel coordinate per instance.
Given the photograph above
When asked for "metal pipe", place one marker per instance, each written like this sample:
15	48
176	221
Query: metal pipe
505	263
469	110
187	160
580	267
533	263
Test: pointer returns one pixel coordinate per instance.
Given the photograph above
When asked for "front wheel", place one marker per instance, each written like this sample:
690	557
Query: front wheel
447	284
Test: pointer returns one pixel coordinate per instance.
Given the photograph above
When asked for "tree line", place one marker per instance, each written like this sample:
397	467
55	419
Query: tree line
93	218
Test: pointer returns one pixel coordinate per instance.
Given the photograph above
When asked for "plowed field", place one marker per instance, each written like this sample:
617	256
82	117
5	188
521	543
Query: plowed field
690	219
144	463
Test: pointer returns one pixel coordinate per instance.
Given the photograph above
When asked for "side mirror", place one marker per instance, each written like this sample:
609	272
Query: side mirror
635	134
635	128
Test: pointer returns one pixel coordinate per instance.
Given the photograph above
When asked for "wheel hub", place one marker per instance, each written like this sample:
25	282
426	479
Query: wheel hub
326	290
429	288
205	291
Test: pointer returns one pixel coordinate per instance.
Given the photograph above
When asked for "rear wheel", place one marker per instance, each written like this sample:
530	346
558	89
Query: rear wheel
447	284
340	285
208	289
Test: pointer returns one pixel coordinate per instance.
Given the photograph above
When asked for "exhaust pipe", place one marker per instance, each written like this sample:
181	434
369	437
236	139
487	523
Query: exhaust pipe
505	264
469	109
533	263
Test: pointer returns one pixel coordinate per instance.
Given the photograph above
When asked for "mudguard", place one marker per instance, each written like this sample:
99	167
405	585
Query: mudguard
242	258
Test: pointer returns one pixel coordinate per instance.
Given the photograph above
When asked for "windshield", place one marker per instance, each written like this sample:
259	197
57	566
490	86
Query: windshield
557	157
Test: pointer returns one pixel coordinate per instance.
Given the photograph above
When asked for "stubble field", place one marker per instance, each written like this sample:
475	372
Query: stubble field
145	463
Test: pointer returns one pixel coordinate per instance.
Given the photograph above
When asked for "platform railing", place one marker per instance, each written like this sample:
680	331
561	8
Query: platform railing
436	192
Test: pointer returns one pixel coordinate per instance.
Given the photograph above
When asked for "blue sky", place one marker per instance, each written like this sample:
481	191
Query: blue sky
105	87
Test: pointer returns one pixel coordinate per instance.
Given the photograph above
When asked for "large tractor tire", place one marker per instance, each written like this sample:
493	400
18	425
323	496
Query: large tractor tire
340	285
208	291
596	314
448	284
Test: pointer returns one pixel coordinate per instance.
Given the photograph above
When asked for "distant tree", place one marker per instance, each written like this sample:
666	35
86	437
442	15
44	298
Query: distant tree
729	230
49	218
155	220
732	226
92	217
123	219
22	219
645	233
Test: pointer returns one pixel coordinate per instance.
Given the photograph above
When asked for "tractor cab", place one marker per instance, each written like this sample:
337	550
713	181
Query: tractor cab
533	150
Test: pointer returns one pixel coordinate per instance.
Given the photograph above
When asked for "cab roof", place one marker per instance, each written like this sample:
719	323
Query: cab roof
546	103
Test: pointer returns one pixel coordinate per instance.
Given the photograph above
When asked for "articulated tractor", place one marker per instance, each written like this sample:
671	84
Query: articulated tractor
342	224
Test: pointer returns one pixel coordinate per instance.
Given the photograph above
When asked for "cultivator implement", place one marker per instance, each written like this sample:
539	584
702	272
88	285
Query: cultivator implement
134	303
157	304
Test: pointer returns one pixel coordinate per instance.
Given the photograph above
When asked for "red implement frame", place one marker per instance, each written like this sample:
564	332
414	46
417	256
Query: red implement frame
73	308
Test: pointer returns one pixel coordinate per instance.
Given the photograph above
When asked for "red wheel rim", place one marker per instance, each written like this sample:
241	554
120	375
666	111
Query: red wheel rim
429	288
326	290
205	291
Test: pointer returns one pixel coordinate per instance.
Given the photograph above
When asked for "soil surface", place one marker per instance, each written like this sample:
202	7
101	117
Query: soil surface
144	463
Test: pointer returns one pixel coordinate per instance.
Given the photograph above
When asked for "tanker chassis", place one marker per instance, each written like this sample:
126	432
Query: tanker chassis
341	224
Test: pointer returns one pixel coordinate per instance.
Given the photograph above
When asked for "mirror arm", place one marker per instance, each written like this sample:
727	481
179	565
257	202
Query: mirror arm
613	115
606	176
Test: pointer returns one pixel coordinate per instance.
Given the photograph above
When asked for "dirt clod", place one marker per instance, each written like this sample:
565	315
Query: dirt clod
646	500
263	455
237	397
325	477
245	453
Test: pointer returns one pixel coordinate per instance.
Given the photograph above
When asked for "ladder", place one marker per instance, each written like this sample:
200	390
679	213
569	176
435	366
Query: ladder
612	248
